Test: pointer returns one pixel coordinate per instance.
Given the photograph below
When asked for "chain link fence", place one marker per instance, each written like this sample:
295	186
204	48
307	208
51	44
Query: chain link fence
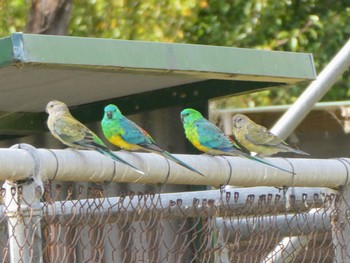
79	223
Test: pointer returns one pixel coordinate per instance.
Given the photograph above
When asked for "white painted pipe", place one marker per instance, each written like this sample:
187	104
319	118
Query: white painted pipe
231	202
182	204
274	225
72	165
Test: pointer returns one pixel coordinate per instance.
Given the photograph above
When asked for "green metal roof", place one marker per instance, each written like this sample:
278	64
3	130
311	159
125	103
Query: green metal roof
139	75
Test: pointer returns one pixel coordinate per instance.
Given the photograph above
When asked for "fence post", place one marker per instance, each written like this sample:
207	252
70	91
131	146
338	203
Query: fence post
24	212
341	225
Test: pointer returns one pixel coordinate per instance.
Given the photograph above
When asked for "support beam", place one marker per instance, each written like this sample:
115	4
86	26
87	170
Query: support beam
23	211
72	165
283	225
341	227
233	203
316	90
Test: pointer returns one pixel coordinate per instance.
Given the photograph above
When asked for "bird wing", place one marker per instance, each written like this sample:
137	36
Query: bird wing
259	135
211	136
134	134
75	133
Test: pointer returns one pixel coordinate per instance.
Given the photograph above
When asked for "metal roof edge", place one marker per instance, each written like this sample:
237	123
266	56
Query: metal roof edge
130	54
18	47
6	54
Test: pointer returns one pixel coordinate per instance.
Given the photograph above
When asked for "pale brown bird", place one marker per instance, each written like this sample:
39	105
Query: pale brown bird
256	138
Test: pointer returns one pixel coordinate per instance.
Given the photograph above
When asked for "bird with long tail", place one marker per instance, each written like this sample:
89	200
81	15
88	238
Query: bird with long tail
127	135
208	138
258	139
73	133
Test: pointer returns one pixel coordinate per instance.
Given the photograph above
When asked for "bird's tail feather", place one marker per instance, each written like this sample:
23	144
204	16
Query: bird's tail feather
269	164
255	158
174	159
114	157
287	148
299	151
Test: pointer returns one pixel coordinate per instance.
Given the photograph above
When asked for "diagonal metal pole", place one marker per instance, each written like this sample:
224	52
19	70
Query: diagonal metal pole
315	91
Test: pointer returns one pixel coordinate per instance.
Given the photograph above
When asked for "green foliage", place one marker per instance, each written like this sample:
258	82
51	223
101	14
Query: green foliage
318	27
13	16
150	20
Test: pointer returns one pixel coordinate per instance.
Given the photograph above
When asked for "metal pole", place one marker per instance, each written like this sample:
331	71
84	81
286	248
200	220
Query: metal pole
24	212
284	225
229	201
316	90
341	227
247	228
71	165
227	123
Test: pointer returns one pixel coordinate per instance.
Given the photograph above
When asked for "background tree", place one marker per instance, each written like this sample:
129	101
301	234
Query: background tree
49	17
317	27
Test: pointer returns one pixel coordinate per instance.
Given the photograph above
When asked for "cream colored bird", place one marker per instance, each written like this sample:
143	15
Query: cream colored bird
74	134
258	139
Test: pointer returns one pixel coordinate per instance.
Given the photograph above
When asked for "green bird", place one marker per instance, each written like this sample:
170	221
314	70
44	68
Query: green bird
127	135
258	139
209	139
72	133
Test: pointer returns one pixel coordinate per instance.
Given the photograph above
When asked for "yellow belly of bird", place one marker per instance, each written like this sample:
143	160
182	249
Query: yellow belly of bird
199	146
118	141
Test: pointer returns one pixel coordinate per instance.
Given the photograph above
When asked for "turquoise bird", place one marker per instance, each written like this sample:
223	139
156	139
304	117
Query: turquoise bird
73	133
127	135
209	139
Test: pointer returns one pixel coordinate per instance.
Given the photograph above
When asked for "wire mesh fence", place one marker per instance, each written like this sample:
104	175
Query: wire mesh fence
87	224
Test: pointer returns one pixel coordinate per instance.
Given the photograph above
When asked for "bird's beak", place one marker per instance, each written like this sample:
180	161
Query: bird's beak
109	114
182	118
